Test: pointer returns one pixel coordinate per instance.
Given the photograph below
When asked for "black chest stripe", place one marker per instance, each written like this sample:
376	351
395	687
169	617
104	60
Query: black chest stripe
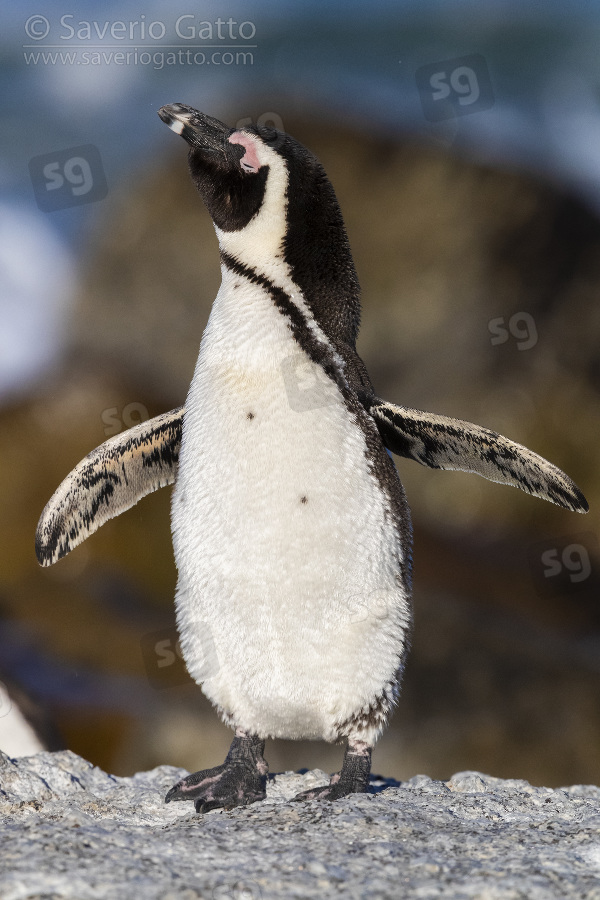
316	350
378	460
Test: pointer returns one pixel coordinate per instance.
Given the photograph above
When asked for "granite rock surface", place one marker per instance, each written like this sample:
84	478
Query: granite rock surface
69	830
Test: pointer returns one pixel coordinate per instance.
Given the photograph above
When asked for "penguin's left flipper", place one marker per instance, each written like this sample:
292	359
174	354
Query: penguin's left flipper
441	442
108	481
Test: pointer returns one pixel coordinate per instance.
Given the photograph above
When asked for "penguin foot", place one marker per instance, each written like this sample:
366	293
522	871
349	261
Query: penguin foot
352	779
239	781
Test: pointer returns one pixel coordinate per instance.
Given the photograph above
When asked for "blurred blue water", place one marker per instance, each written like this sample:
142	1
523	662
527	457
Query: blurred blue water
352	60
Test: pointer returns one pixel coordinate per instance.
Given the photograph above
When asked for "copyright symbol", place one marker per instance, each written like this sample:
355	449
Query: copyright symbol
37	27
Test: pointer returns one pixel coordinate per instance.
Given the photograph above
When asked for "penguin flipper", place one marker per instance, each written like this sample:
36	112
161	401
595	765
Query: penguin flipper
108	481
441	442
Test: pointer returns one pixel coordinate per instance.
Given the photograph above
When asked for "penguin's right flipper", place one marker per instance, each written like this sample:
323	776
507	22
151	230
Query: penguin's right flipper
441	442
108	481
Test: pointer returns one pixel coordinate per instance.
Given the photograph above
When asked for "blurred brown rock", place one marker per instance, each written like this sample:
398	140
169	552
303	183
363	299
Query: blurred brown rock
480	301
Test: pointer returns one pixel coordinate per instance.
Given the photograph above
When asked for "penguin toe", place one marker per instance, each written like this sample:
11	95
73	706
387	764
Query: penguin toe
194	785
320	793
353	779
223	787
328	792
204	806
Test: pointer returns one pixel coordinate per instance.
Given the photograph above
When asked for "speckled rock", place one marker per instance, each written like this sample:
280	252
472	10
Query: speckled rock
71	831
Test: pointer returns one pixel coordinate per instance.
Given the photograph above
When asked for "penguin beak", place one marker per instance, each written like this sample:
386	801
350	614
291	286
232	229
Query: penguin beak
201	132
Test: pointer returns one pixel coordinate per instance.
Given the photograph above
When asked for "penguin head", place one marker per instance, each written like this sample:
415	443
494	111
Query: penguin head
274	211
229	167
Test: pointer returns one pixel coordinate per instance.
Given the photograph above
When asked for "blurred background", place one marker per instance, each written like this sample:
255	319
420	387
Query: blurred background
463	141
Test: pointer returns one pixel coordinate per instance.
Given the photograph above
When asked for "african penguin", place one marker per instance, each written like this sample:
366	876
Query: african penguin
291	530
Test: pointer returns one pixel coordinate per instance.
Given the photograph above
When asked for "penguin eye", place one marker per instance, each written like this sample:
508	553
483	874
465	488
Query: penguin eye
249	162
269	135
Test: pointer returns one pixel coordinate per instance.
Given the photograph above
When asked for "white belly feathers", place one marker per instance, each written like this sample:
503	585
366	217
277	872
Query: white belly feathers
289	604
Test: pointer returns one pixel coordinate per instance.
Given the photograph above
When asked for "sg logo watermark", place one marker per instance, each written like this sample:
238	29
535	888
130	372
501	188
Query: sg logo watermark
306	383
378	604
132	414
521	326
67	178
163	659
456	87
565	565
270	120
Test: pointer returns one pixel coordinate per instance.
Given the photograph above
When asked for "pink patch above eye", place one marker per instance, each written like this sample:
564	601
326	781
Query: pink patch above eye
249	161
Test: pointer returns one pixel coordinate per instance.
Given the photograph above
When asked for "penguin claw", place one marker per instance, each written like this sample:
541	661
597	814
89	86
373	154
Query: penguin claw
331	791
352	779
320	793
225	786
239	781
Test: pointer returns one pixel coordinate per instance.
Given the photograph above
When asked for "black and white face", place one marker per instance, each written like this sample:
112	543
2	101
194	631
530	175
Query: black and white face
230	168
274	211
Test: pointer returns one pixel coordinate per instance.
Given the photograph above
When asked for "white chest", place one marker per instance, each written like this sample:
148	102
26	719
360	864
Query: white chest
289	604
